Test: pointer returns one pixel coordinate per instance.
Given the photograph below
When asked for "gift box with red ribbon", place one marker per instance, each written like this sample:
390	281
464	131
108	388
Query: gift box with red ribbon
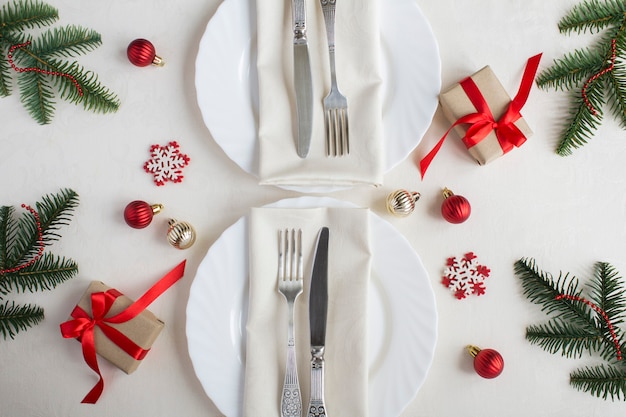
141	330
483	114
109	324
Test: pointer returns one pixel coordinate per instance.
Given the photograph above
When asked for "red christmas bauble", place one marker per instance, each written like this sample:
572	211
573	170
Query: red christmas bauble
141	52
455	208
488	363
138	214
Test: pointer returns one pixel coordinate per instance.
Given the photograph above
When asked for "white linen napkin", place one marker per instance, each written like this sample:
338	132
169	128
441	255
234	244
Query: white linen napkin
346	379
357	40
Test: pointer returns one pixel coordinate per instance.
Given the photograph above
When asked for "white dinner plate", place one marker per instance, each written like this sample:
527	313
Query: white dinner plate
227	90
402	317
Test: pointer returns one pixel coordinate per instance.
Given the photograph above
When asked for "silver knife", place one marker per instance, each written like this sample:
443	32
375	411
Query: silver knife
318	303
302	79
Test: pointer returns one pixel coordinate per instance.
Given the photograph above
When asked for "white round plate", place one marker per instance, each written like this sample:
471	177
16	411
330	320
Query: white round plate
227	90
402	317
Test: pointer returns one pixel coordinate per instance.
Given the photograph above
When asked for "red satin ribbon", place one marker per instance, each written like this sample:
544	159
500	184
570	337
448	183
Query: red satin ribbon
82	326
482	122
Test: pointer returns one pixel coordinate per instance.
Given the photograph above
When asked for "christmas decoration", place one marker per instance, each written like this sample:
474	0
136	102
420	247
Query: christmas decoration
40	63
485	117
488	363
141	53
139	214
166	163
581	323
455	208
180	235
465	276
24	264
110	324
599	72
402	202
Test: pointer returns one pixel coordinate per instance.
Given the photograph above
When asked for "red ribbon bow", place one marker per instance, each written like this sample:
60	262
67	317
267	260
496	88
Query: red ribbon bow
482	122
82	326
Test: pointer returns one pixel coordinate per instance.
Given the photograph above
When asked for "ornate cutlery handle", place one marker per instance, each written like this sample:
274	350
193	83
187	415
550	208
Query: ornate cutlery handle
328	7
317	407
299	20
291	400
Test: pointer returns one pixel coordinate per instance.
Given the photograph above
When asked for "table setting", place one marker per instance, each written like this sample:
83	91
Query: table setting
226	205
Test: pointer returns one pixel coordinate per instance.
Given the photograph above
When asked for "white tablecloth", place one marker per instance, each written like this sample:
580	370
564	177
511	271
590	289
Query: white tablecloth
565	212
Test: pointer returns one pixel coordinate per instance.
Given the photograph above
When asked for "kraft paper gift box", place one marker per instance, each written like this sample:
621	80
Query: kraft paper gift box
455	104
142	329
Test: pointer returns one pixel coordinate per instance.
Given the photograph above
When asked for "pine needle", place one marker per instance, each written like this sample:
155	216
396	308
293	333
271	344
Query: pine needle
15	318
601	381
593	16
48	72
581	325
23	267
28	14
591	72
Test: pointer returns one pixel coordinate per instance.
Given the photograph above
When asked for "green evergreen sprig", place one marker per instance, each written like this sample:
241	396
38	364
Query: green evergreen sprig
581	324
592	71
21	267
48	53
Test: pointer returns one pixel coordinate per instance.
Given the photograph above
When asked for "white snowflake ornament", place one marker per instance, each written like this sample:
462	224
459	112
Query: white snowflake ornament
465	276
166	163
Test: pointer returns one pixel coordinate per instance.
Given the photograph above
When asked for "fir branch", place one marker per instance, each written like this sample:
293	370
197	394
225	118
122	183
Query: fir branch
54	212
15	318
92	94
600	70
45	274
617	85
571	70
37	96
6	213
558	335
5	76
582	122
593	16
23	267
40	64
20	246
28	14
608	293
601	381
541	288
570	335
67	41
95	96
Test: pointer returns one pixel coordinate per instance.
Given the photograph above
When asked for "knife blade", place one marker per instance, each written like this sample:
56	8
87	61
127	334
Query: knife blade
318	306
302	79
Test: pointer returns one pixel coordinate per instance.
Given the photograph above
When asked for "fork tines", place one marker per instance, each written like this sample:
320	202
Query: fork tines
290	254
336	124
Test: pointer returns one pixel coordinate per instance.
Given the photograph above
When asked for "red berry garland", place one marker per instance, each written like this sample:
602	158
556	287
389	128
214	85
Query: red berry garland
39	70
598	75
602	313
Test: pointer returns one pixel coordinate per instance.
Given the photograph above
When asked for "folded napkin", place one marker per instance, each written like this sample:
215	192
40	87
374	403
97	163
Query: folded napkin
357	40
346	367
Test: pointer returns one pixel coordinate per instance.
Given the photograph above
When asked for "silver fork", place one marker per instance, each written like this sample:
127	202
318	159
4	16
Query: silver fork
290	276
335	103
